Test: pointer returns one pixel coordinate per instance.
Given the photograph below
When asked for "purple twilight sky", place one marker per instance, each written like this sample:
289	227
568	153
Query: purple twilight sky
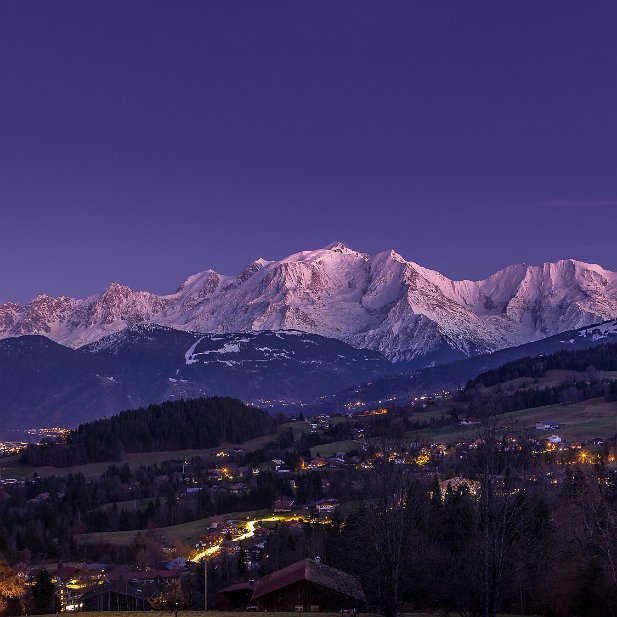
143	141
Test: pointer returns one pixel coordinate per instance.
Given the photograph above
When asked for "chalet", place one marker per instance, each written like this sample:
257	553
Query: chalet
123	574
175	564
215	474
119	596
190	490
547	425
307	585
214	526
70	582
65	573
283	505
238	489
229	547
326	506
231	526
318	461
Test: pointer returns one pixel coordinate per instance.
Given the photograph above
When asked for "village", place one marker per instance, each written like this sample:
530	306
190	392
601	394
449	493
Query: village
280	494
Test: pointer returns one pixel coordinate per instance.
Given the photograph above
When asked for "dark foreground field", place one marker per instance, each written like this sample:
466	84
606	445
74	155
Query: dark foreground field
245	614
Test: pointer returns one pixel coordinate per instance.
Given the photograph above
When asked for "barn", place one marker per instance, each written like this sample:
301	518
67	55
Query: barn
308	585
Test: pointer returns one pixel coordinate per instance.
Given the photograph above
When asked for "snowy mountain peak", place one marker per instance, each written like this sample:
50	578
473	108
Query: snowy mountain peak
338	247
396	257
382	302
253	267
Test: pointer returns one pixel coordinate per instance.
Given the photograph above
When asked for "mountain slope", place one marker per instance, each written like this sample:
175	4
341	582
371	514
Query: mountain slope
43	383
452	375
382	302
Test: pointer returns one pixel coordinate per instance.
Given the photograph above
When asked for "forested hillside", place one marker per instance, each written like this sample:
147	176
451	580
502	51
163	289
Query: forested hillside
602	357
174	425
583	377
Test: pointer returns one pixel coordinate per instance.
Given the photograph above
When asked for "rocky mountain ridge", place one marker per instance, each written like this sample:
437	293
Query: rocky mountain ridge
383	302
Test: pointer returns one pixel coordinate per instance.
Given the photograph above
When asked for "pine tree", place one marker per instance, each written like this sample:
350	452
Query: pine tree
43	594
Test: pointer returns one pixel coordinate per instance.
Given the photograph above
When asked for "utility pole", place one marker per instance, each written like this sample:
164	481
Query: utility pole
205	584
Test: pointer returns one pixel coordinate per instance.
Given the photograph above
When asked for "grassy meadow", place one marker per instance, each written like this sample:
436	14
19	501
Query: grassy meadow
586	420
188	533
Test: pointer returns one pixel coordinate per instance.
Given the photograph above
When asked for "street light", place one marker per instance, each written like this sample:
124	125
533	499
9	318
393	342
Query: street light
205	583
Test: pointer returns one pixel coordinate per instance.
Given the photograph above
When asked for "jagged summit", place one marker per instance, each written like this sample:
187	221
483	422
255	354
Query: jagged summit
382	302
339	247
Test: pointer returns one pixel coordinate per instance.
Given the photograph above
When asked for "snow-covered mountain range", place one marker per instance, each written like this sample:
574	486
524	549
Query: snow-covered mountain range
381	302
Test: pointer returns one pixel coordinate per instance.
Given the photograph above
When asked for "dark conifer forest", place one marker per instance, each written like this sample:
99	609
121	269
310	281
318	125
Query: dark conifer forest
602	358
173	425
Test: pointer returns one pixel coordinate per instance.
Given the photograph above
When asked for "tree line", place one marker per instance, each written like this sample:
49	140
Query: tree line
174	425
602	357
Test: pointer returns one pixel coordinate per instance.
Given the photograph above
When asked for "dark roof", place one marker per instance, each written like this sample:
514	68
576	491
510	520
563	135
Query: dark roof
283	504
142	575
238	587
122	588
67	572
327	501
309	570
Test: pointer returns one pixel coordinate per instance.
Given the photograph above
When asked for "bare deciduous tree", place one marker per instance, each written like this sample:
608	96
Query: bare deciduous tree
504	521
390	513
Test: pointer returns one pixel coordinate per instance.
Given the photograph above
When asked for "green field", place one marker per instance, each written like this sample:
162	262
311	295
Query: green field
552	378
583	421
11	467
189	533
328	449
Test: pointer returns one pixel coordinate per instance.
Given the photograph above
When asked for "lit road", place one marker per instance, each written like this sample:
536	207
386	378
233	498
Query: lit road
250	525
207	553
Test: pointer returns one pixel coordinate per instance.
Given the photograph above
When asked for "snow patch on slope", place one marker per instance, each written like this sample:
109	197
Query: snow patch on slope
189	356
